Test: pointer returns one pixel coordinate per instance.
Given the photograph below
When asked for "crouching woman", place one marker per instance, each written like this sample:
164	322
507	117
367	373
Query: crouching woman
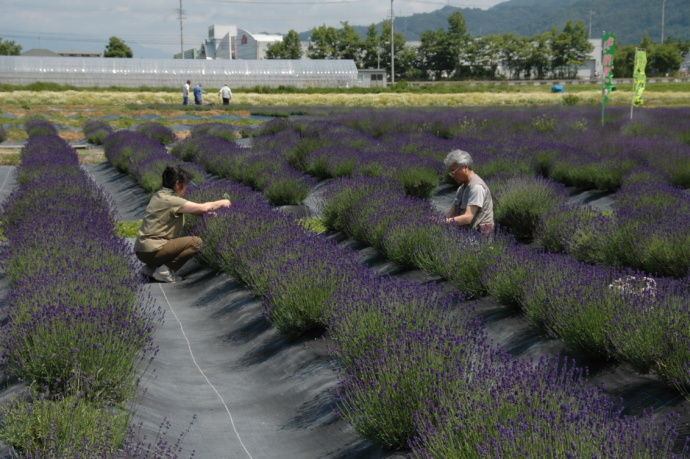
160	244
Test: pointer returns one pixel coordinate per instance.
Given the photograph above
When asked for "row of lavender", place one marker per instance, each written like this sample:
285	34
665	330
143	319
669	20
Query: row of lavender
211	146
79	327
527	157
371	210
146	158
600	311
414	365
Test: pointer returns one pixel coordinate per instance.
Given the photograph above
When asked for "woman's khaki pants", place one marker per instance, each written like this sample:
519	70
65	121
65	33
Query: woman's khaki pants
173	254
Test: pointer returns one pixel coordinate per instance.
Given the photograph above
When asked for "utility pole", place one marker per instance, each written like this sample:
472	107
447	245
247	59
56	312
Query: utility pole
591	13
393	48
180	15
663	10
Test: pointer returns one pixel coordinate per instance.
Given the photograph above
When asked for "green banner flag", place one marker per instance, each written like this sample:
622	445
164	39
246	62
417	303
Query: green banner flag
607	53
639	76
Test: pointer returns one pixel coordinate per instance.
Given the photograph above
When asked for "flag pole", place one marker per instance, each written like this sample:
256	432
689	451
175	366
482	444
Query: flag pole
632	100
603	78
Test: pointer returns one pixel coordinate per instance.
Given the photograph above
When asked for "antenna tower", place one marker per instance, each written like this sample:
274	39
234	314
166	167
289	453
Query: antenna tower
180	15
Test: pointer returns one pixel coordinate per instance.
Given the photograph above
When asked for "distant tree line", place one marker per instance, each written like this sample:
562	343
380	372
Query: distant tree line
452	53
9	48
116	47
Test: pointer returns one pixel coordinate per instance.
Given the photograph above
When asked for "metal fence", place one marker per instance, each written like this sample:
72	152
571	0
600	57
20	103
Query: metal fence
104	72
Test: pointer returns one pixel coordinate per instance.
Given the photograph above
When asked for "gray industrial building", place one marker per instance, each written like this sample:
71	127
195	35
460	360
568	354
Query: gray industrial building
90	72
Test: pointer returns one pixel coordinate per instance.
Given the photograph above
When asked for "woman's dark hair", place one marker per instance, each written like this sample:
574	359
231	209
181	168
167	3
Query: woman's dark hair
175	174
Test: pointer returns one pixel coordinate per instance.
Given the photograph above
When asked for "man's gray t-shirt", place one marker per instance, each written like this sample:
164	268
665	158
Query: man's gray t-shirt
475	193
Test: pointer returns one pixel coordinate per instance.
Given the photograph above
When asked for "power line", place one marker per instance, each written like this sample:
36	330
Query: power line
269	2
327	2
160	40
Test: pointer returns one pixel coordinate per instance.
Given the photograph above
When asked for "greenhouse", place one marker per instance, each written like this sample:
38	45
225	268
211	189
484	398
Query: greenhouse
134	73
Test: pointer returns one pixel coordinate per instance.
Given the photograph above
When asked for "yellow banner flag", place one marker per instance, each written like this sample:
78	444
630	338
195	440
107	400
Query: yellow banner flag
639	76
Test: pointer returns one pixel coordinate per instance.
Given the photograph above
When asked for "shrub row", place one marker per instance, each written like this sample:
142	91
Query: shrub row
145	157
596	311
647	231
96	131
158	132
414	365
325	150
39	126
261	170
511	151
79	326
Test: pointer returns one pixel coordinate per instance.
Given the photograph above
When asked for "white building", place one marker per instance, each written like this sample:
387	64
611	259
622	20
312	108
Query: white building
231	42
220	44
254	45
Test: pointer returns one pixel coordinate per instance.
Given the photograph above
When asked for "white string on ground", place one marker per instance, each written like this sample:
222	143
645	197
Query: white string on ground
191	353
2	187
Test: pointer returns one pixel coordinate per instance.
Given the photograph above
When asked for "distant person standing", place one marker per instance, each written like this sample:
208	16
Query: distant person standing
198	94
226	94
185	93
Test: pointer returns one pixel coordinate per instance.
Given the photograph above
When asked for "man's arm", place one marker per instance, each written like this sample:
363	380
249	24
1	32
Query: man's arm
464	219
451	212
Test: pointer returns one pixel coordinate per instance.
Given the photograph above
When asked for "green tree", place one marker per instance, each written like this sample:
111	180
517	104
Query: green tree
665	59
289	48
483	55
433	54
323	43
275	50
405	57
662	59
539	56
458	38
371	48
683	45
350	44
331	43
117	48
570	48
9	48
624	61
515	54
441	52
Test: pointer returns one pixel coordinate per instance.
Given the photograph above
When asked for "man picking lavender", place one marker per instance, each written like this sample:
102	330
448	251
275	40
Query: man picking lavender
473	206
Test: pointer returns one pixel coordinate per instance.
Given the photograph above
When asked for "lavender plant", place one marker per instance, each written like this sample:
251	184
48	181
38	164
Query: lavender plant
119	147
65	427
392	355
96	131
78	328
533	411
39	126
157	131
579	230
461	256
572	302
521	201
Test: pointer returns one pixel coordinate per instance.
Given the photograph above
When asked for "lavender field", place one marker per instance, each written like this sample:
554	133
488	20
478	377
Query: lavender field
418	369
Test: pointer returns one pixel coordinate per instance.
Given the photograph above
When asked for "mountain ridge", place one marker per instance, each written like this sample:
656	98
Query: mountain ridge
628	19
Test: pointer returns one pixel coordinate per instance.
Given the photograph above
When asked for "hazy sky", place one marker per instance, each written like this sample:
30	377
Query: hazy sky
86	25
